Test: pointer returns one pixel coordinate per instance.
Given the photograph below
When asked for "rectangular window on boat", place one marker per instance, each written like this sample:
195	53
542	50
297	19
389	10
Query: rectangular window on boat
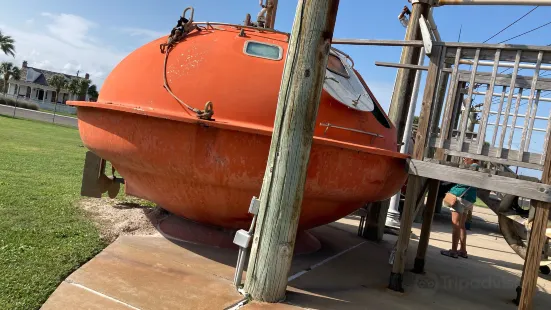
263	50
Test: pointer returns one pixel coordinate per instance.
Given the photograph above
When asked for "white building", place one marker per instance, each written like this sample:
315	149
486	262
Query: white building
33	86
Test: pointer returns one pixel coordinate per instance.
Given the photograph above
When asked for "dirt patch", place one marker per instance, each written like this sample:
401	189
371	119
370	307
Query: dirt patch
116	217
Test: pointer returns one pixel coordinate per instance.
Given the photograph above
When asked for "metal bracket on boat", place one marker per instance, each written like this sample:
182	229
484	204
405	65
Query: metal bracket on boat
94	180
254	206
328	125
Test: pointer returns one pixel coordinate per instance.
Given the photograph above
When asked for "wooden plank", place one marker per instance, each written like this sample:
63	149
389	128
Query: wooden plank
428	215
527	119
343	41
438	102
285	175
499	107
529	54
505	80
487	103
494	159
426	107
530	190
426	35
533	117
469	101
531	268
446	119
509	102
514	121
510	157
401	66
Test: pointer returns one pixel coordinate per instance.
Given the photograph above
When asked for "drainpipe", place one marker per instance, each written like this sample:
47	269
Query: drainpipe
393	215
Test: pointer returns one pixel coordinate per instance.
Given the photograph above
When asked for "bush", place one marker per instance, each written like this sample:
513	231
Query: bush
20	104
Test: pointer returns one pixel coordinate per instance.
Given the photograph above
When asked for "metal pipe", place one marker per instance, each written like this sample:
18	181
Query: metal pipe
395	200
503	64
494	2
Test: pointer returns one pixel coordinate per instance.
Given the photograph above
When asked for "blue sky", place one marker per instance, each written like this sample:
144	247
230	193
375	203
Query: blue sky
94	36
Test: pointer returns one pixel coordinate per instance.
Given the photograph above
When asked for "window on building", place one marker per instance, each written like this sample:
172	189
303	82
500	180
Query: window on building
263	50
335	65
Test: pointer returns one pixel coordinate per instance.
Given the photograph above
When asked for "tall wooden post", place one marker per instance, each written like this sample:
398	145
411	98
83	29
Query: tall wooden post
403	86
428	215
535	244
271	14
283	185
414	182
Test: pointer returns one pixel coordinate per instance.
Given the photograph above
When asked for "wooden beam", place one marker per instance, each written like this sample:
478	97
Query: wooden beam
283	184
508	53
403	86
530	271
508	157
428	215
521	81
537	240
271	14
521	188
415	183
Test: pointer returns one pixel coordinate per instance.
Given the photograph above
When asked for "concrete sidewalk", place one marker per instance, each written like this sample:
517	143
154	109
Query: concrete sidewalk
39	116
154	273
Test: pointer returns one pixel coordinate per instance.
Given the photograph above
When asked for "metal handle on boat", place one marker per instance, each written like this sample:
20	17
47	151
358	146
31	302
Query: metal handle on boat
328	125
192	12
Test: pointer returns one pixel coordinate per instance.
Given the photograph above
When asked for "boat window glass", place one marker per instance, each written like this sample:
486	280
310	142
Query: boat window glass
335	65
263	50
380	116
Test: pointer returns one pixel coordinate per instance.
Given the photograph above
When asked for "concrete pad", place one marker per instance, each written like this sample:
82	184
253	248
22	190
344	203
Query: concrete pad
76	297
347	273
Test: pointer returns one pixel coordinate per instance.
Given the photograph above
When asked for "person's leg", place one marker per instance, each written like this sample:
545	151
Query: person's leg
463	233
456	229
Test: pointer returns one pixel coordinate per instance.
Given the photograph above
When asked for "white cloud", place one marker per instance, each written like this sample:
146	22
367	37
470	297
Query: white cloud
140	32
72	29
64	44
29	22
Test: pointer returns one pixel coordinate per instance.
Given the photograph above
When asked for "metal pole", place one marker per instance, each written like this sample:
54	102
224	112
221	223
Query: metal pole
283	183
393	214
494	2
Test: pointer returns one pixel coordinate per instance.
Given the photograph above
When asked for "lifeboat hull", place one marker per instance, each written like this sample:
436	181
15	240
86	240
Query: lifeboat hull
208	170
209	175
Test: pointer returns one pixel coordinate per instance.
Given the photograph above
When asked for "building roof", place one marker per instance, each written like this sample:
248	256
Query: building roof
41	76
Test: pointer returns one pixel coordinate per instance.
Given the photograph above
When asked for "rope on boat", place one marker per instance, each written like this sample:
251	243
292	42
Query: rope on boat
183	27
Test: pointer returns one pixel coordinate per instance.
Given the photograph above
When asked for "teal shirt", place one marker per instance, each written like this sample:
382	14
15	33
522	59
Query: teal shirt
459	190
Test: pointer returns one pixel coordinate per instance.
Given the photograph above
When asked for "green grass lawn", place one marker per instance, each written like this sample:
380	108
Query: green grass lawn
480	203
43	235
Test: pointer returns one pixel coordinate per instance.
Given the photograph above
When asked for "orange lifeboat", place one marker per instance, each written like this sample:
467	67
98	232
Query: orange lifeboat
207	170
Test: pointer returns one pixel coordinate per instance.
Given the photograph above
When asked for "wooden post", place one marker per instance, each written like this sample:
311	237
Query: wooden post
375	222
535	244
403	86
271	14
415	182
283	185
428	215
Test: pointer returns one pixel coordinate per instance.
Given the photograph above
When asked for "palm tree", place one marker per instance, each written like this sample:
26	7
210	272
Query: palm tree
93	92
6	44
59	82
7	69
